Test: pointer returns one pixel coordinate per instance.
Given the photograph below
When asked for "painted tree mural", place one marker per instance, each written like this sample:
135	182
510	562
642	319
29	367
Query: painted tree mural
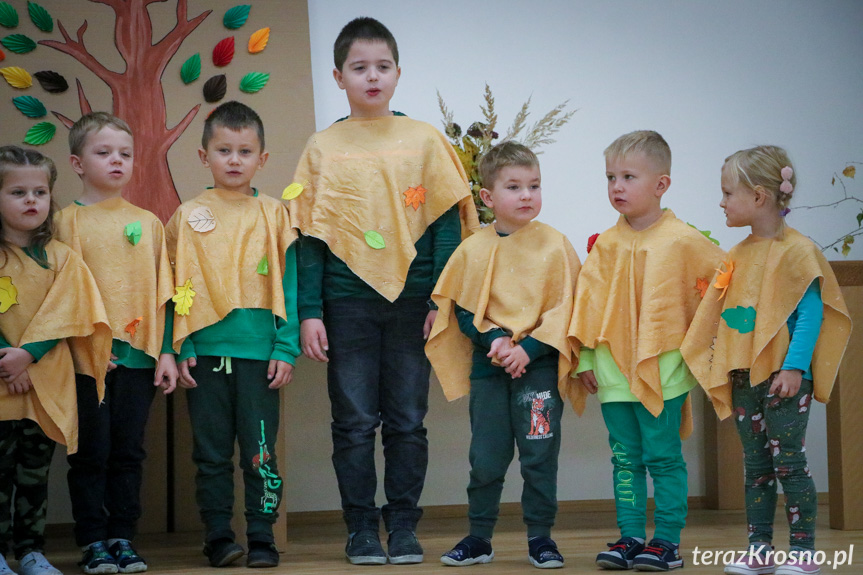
137	91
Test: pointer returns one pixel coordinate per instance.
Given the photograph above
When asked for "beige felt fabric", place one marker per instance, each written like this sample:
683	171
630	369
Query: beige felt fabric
523	283
355	175
771	276
58	303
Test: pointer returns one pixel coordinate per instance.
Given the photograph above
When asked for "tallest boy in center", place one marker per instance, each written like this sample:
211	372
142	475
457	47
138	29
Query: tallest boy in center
384	204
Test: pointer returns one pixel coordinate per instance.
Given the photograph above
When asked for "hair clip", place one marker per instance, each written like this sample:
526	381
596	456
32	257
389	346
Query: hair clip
786	173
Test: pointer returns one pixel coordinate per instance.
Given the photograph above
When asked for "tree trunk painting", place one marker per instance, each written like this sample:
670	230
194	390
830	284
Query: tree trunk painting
138	95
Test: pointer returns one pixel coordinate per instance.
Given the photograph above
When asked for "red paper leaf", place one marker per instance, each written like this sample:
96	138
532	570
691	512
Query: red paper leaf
590	241
223	53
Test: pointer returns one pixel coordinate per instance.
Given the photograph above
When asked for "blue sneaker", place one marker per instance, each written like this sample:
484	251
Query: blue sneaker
364	548
543	553
469	551
98	560
620	555
128	560
658	555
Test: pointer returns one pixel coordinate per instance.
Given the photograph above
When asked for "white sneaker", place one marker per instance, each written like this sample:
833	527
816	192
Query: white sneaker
757	561
4	567
34	563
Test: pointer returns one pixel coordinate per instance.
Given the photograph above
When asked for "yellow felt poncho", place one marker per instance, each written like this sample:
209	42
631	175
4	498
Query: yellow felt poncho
768	280
134	279
371	187
236	264
58	303
638	292
523	283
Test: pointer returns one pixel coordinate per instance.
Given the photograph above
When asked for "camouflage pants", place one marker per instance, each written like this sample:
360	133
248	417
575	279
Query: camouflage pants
25	458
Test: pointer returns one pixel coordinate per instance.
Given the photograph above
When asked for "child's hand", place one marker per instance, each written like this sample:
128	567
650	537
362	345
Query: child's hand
20	385
786	383
279	373
588	380
13	362
186	380
514	361
313	339
502	343
166	373
111	365
429	323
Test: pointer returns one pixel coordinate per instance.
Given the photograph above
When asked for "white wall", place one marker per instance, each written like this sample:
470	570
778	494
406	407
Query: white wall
712	77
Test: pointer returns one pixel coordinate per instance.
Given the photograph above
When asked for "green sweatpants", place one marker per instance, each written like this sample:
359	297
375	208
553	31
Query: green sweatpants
233	402
641	443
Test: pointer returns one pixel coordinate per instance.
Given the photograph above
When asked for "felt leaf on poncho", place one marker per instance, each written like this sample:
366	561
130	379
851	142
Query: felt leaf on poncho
701	285
184	297
133	232
191	69
723	280
258	40
264	266
8	294
292	191
375	240
30	106
590	241
705	233
849	172
40	17
740	318
236	16
223	53
52	82
415	196
8	15
202	219
41	133
18	43
17	77
132	326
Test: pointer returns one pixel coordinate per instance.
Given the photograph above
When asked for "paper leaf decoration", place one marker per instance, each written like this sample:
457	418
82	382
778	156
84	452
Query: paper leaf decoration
415	196
8	294
254	82
264	266
701	285
292	191
375	240
41	133
590	241
183	298
723	280
215	88
40	17
17	77
740	318
236	16
30	106
2	55
52	81
191	69
133	233
132	326
202	219
258	40
8	15
223	53
18	43
849	172
705	233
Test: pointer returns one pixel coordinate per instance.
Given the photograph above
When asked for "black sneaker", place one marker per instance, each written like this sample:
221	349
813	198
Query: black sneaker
222	552
658	555
469	551
621	554
364	548
98	560
543	553
262	554
403	547
128	560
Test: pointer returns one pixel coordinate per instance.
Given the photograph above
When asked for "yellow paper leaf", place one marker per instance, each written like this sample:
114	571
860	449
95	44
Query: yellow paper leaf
849	172
17	77
183	298
415	196
202	219
292	191
8	294
132	327
258	40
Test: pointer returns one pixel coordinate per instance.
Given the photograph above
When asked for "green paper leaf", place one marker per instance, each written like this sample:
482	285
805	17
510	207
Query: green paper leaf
236	16
705	233
18	43
264	266
133	233
191	69
375	240
30	106
8	15
254	82
40	17
41	133
740	318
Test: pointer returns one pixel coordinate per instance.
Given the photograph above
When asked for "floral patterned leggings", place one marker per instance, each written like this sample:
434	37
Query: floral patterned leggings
773	432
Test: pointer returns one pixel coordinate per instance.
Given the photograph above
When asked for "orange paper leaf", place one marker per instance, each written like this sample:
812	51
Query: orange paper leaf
724	278
415	196
258	40
701	285
133	325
